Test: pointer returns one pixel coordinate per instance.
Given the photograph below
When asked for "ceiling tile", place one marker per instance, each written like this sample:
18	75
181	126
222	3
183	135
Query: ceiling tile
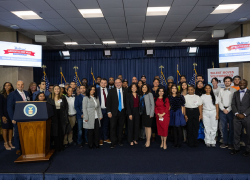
115	19
233	1
69	13
37	5
39	22
117	26
119	31
96	21
13	6
202	10
155	19
110	3
4	23
47	28
82	26
135	19
86	4
180	10
175	18
153	25
19	22
237	16
62	5
171	25
57	21
100	26
3	10
50	15
114	12
207	23
209	3
76	20
135	4
135	11
159	3
8	16
184	3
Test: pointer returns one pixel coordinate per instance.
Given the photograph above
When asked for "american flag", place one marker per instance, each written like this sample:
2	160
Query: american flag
76	81
45	78
192	81
162	80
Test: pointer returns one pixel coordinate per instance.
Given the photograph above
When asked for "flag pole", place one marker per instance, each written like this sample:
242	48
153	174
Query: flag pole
62	76
75	67
44	74
195	71
177	75
213	64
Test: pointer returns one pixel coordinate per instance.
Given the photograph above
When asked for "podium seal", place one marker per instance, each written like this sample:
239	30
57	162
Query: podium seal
30	110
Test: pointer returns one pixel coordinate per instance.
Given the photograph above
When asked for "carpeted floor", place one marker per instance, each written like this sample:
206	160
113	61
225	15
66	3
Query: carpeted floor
132	159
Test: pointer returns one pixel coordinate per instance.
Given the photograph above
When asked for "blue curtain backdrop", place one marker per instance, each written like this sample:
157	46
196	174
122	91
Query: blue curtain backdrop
128	62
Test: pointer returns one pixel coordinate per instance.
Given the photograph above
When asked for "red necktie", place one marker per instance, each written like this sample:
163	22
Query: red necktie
104	94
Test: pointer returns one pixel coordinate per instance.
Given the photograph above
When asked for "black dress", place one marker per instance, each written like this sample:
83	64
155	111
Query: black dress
3	112
146	120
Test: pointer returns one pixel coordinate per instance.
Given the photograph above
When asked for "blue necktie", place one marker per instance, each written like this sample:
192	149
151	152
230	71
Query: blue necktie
120	101
242	91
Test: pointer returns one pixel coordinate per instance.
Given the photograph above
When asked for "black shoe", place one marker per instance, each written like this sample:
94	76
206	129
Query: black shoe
79	145
246	154
230	146
112	146
120	144
234	151
66	145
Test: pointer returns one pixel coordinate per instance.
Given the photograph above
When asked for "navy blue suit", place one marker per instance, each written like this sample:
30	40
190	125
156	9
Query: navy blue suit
11	102
47	93
78	107
104	130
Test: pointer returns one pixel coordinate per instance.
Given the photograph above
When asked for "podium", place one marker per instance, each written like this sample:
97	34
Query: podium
34	124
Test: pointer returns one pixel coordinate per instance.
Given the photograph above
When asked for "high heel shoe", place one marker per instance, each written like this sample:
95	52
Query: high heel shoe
7	146
10	144
165	148
161	146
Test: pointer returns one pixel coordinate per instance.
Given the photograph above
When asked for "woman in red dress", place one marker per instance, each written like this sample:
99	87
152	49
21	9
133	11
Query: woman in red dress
162	115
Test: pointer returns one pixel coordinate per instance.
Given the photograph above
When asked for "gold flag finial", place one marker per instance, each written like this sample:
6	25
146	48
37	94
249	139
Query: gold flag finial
213	64
43	66
75	67
161	67
194	65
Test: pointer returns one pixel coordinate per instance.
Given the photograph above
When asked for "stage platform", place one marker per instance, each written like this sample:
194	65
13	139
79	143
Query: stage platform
130	163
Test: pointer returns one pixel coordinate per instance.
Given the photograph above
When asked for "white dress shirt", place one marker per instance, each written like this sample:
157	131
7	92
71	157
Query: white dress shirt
192	101
102	97
96	116
225	98
22	94
71	105
208	102
217	91
121	96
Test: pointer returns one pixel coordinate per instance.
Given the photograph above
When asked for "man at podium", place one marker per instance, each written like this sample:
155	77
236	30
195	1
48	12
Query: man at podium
18	95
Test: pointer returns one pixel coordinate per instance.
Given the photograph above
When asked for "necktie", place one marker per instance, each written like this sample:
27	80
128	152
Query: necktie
227	89
242	91
120	101
104	94
22	94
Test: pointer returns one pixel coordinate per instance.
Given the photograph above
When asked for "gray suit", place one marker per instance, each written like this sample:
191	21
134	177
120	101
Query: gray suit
241	107
88	109
149	104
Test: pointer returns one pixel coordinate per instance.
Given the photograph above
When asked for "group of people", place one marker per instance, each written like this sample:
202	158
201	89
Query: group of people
110	110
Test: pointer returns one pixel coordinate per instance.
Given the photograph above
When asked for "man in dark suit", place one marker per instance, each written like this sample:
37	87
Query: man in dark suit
116	109
241	109
102	93
42	88
18	95
111	83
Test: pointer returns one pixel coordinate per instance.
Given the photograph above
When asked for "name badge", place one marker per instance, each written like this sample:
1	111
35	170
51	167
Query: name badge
59	101
161	119
196	103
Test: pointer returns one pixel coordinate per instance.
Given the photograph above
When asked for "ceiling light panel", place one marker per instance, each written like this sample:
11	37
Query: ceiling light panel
109	42
91	13
157	11
26	15
188	40
70	43
226	8
148	41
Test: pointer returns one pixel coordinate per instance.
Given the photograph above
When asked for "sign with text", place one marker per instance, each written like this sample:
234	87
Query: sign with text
18	54
220	73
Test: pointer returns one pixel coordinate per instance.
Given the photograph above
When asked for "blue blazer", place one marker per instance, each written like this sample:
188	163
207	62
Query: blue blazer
11	101
47	93
78	106
98	90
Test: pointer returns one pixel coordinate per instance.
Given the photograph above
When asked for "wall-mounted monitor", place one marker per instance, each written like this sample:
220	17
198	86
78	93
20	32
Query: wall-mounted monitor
234	50
18	54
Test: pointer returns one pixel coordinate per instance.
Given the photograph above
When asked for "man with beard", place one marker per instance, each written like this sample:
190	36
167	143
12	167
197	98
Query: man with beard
111	83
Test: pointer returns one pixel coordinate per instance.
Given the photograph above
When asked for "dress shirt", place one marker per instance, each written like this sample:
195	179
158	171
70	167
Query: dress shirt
71	102
102	97
225	98
217	91
192	101
110	87
121	96
242	93
22	94
96	116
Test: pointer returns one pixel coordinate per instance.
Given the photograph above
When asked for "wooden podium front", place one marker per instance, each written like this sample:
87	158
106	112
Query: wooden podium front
35	141
34	124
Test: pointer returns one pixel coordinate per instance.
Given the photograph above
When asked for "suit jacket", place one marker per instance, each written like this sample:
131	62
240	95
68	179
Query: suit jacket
241	106
88	108
63	118
149	104
99	93
1	106
11	101
113	101
130	103
78	106
47	93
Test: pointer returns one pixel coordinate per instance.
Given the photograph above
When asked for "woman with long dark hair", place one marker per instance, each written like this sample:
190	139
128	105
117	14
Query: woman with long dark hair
162	115
184	88
132	105
177	120
92	114
210	115
40	97
199	90
32	89
6	122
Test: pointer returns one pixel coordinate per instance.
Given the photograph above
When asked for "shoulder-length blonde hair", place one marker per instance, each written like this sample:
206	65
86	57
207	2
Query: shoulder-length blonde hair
52	94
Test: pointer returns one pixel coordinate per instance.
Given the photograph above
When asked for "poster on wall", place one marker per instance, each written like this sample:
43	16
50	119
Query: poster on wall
220	73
